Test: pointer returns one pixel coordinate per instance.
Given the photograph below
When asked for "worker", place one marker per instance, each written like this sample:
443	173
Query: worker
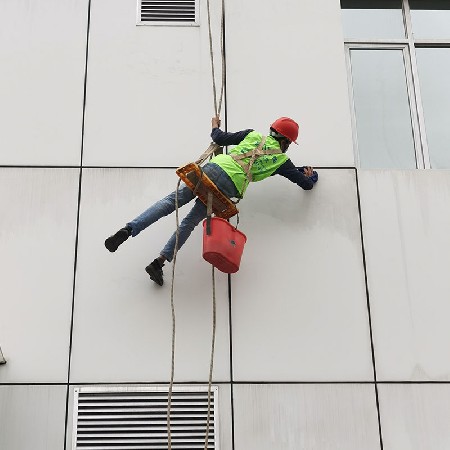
229	177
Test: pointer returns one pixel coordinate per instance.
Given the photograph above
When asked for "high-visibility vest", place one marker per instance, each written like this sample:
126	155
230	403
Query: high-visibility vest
263	166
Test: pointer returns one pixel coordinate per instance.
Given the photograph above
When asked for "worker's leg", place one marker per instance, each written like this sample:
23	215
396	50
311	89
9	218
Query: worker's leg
158	210
220	178
195	216
187	225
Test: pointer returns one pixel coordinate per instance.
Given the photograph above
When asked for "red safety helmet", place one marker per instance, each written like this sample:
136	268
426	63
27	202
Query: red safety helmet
287	127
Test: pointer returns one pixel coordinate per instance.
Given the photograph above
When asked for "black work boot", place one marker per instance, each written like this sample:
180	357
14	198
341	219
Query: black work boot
113	242
154	269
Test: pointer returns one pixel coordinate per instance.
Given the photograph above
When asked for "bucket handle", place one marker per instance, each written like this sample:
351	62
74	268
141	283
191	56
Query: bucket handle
209	213
237	223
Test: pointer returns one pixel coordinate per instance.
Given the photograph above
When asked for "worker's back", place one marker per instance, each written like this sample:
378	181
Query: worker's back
263	166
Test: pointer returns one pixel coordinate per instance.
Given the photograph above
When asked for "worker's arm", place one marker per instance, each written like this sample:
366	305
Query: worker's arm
297	175
224	138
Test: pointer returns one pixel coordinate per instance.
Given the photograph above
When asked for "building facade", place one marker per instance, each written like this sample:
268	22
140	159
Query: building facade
334	333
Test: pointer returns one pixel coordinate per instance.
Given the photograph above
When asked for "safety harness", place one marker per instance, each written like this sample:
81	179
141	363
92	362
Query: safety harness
253	155
202	186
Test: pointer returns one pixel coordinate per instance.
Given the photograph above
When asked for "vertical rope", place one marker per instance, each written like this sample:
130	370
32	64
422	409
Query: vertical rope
222	53
211	364
217	109
217	105
172	304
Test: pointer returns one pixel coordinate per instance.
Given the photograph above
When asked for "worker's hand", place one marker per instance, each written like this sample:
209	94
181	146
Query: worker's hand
308	171
215	122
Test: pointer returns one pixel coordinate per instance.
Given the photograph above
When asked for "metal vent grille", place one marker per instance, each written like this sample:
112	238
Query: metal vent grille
183	11
110	418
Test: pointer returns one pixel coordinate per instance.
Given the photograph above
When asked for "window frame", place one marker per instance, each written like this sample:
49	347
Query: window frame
410	92
408	45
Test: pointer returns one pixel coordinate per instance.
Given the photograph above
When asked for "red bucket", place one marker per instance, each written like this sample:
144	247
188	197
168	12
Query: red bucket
224	246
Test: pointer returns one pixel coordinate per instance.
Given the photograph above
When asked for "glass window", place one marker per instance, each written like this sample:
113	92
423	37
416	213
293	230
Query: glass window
372	20
434	75
383	116
430	19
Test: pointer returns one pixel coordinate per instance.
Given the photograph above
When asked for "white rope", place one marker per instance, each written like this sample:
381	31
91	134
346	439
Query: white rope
217	106
217	109
211	364
172	304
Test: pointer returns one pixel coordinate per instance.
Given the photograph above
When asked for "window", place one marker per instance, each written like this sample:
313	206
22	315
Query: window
398	54
167	12
430	19
373	19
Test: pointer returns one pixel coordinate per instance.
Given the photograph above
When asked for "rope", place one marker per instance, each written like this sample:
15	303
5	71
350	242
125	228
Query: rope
172	304
211	364
217	109
217	106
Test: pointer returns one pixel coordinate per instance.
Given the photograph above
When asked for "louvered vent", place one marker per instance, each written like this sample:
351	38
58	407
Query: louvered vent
136	418
183	11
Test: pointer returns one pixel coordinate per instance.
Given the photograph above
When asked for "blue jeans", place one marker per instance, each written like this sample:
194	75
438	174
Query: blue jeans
166	206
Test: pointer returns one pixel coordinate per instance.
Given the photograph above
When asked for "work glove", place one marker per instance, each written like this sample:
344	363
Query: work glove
314	177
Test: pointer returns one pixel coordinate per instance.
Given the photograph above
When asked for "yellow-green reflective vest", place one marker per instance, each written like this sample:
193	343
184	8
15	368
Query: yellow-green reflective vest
263	167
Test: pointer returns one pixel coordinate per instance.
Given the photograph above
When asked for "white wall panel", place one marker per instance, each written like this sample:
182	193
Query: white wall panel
286	58
313	417
123	325
149	90
415	416
406	222
42	50
32	417
37	244
299	303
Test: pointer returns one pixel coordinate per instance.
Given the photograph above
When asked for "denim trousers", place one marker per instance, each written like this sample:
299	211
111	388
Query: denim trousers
166	206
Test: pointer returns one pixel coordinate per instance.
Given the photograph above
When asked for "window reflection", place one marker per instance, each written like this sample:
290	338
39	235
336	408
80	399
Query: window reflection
430	19
372	20
383	118
434	74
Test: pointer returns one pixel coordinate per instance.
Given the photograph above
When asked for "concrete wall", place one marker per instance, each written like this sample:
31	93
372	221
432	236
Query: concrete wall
333	334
